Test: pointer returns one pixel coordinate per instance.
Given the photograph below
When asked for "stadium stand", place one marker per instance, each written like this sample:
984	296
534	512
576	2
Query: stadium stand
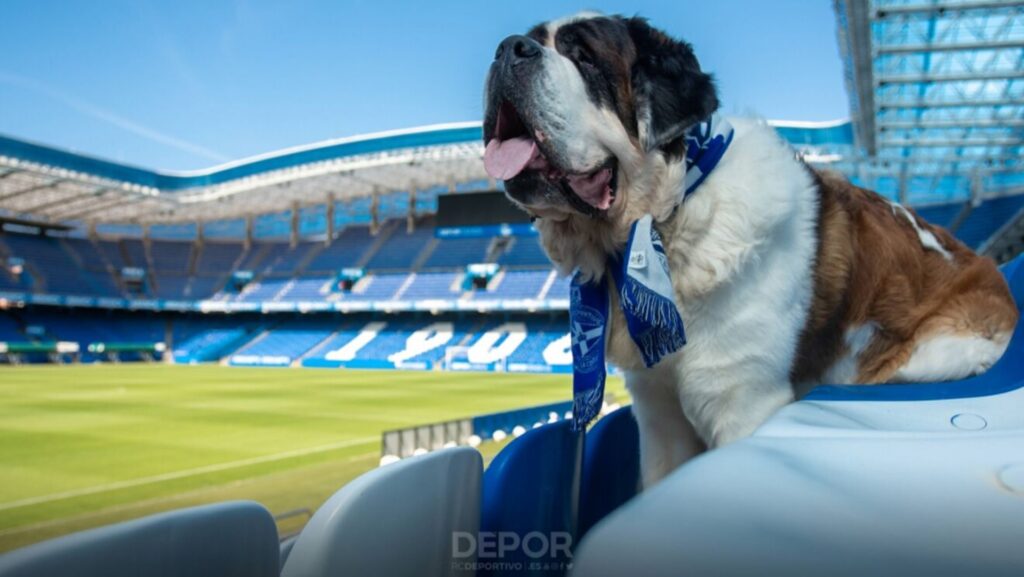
431	285
457	252
348	250
284	343
377	287
517	284
401	249
403	266
524	252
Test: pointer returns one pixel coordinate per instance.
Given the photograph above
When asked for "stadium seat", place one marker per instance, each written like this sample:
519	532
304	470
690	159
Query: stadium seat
611	467
227	539
400	519
533	485
928	488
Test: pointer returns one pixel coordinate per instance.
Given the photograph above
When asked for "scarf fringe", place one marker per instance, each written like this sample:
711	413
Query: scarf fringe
586	405
654	321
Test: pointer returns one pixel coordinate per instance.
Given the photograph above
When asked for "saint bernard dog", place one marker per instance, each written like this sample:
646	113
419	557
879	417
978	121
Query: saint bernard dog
785	277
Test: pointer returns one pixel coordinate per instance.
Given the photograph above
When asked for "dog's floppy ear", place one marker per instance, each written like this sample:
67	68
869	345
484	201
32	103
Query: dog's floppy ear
670	90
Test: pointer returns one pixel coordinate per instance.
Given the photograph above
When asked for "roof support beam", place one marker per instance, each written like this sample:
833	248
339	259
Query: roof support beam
32	189
955	77
950	47
883	105
965	123
942	8
74	204
91	210
64	201
858	36
991	160
952	143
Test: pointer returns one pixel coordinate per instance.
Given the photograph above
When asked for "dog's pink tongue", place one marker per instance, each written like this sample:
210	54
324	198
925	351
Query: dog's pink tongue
595	188
504	159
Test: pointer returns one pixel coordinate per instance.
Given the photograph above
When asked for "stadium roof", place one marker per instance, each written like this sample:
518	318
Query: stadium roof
57	185
53	185
936	95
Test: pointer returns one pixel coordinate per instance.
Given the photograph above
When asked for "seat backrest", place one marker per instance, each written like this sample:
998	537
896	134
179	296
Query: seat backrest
1014	272
611	467
226	539
531	489
401	519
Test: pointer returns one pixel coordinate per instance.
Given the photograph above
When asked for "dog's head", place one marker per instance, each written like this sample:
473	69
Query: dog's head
575	106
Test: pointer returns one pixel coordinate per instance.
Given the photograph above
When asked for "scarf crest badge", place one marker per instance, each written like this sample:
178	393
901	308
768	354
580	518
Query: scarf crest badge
643	282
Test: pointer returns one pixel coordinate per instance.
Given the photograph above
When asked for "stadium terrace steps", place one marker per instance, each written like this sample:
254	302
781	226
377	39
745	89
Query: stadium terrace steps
208	340
347	250
456	253
253	258
285	343
401	249
110	250
216	258
524	251
427	254
943	215
135	253
431	285
516	284
987	218
548	283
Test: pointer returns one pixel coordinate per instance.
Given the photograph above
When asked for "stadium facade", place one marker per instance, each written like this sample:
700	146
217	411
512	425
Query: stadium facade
330	254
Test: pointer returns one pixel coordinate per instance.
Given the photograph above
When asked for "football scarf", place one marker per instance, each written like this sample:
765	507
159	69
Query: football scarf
643	283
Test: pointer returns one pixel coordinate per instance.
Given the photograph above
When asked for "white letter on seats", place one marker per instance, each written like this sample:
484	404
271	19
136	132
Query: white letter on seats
348	352
424	340
484	350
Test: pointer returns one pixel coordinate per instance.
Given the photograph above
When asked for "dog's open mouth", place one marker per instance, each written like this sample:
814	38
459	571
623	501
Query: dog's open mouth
514	149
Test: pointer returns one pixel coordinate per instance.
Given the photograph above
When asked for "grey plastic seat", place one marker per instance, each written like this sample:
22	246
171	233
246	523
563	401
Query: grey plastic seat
227	539
397	520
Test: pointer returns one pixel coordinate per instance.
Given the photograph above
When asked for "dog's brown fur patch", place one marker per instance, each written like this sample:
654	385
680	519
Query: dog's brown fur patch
873	268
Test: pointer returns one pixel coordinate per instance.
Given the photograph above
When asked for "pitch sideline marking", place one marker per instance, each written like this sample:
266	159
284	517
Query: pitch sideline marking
114	509
183	474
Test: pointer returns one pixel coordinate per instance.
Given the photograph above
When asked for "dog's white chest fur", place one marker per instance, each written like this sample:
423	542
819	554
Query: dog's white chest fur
741	250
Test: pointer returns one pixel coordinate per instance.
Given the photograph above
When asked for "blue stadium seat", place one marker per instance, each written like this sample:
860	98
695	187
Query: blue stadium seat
400	519
532	485
432	285
611	467
378	287
284	343
227	539
401	249
940	214
525	251
987	218
347	250
815	484
170	256
216	258
517	284
457	253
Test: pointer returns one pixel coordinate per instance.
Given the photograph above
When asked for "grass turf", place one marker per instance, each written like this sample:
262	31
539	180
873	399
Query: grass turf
83	446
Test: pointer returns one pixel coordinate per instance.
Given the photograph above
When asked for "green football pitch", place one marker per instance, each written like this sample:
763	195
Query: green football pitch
82	446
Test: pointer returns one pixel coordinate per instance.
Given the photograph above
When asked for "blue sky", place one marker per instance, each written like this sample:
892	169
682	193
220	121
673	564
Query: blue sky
185	84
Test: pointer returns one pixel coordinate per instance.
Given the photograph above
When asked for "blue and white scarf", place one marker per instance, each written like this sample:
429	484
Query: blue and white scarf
643	283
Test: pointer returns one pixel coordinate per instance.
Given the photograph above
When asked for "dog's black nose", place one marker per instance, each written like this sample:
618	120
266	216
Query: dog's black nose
517	48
